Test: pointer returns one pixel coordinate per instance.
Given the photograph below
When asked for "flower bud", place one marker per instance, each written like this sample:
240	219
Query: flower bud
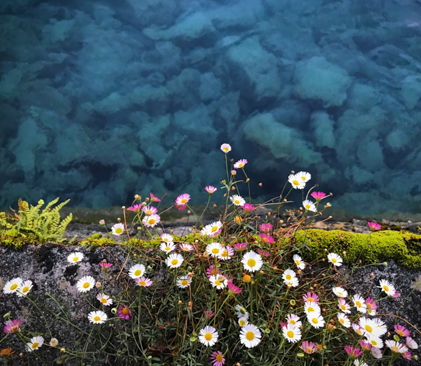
114	310
267	330
193	339
179	302
385	264
246	278
300	354
396	338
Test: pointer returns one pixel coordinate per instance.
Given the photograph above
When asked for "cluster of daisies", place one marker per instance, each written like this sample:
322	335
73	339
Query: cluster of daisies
18	286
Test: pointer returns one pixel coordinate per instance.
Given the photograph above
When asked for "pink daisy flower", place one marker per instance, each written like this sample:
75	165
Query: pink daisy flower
366	346
248	207
240	246
135	208
318	195
371	305
124	312
309	347
234	289
263	253
212	271
181	201
154	198
209	314
151	221
226	148
396	294
240	164
105	265
310	297
210	189
402	331
376	352
217	358
374	226
353	352
407	355
143	281
266	238
265	227
186	247
284	325
396	346
344	306
12	326
294	320
149	210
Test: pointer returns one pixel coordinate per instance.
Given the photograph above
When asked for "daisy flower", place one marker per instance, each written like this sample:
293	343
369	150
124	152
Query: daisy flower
174	260
226	253
218	281
266	238
167	238
407	355
369	327
53	342
12	326
217	358
396	346
250	336
240	164
117	229
137	271
344	306
97	317
375	341
373	226
212	230
104	265
124	312
310	297
135	208
357	329
75	257
359	363
143	282
34	343
183	281
298	261
234	289
104	299
208	336
339	291
292	283
318	195
210	189
240	246
402	331
237	200
208	313
371	306
12	285
149	210
291	333
182	199
294	320
309	347
296	182
311	309
411	343
342	318
24	289
376	352
353	352
252	261
303	176
241	312
186	247
248	207
309	206
380	326
85	284
151	221
212	271
288	275
167	247
265	227
226	148
316	320
263	253
366	346
335	259
154	198
242	321
387	287
214	249
359	303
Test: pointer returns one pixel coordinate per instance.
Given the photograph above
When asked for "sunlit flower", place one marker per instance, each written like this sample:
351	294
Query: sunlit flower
226	148
124	312
97	317
292	282
135	208
240	246
376	352
294	320
291	333
212	271
265	227
357	329
309	206
387	287
365	345
396	346
296	182
12	326
371	306
252	261
266	238
311	309
154	198
24	289
218	281
208	336
137	270
353	352
53	342
34	343
212	230
143	282
117	229
242	321
104	299
210	189
151	221
288	274
237	200
340	292
402	331
75	257
359	303
214	249
217	358
186	247
342	318
167	247
241	312
309	347
263	253
105	265
411	343
335	259
240	164
374	226
250	335
298	261
167	238
344	306
369	327
234	289
374	341
183	281
182	199
85	284
310	297
149	210
174	260
226	253
318	195
316	320
303	176
248	207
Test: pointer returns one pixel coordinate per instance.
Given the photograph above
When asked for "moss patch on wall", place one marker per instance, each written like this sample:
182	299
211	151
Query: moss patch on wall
403	247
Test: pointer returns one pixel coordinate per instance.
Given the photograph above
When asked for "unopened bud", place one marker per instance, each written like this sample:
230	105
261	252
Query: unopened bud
396	338
260	184
233	172
300	354
328	204
118	219
136	196
385	264
215	206
247	180
179	302
123	207
261	272
62	350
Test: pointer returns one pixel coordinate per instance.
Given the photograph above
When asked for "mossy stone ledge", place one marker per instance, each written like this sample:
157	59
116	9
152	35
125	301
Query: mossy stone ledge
402	246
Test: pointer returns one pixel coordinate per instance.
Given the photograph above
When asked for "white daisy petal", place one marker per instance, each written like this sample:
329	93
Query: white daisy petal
252	261
250	336
208	336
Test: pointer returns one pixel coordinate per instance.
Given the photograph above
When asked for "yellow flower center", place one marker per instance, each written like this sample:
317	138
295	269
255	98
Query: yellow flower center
251	262
249	336
138	272
368	328
358	303
310	299
297	262
290	334
149	212
35	345
218	283
208	336
295	182
310	309
25	289
174	262
225	149
342	321
184	282
103	300
303	177
386	288
125	311
214	228
184	200
309	350
307	206
97	318
401	333
315	320
215	251
167	248
292	321
142	283
119	230
86	285
14	287
224	253
395	349
14	328
219	358
373	342
152	221
343	307
334	260
288	277
237	202
75	259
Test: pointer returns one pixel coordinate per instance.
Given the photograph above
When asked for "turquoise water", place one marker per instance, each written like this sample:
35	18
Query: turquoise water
100	100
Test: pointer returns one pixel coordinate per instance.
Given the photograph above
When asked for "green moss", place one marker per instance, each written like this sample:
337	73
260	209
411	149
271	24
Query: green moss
404	247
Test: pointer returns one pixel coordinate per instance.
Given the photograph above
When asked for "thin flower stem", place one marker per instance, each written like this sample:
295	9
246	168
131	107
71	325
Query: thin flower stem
197	218
206	207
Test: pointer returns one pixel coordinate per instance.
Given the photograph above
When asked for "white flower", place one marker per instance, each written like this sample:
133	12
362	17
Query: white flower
241	312
380	326
237	200
309	206
316	321
375	341
117	229
97	317
85	284
242	321
335	259
291	333
212	230
292	283
252	261
342	318
208	336
53	342
12	285
250	335
137	271
214	249
359	363
387	287
298	261
174	260
218	281
296	182
75	257
411	343
369	327
167	247
151	221
226	253
167	238
34	343
104	299
340	292
359	303
226	148
303	176
288	275
184	281
357	329
344	306
311	309
24	289
396	346
294	320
